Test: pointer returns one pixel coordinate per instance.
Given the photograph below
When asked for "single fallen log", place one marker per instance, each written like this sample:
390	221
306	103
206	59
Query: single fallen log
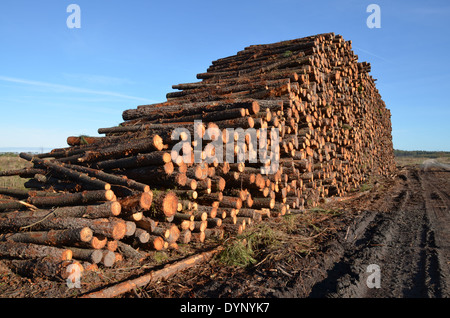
112	227
89	255
103	210
155	242
148	159
154	276
50	269
129	252
52	237
125	149
23	173
27	250
79	198
108	258
147	224
137	202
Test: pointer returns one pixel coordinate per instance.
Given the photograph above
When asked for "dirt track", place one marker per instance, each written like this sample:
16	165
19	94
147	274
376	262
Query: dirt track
406	234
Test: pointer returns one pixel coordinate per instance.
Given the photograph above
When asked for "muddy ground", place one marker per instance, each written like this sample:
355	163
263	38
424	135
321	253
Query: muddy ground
388	242
401	225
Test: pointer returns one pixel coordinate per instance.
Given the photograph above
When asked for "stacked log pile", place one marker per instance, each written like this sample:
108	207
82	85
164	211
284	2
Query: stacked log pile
137	188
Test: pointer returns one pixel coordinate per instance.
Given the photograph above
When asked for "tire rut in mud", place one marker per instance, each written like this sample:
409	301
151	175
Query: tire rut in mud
400	241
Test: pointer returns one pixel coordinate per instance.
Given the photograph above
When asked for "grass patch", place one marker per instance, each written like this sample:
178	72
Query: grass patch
11	161
288	237
247	248
347	127
237	254
160	257
366	187
284	239
83	140
289	223
287	53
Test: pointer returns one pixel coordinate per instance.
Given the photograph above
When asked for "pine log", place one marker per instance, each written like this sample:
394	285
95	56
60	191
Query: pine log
155	243
110	178
150	174
28	250
137	202
79	198
104	210
129	252
75	175
231	202
83	140
142	235
14	192
147	159
124	149
209	198
130	228
90	255
23	173
50	269
214	222
97	242
147	224
165	203
108	258
154	276
112	227
185	109
52	237
200	226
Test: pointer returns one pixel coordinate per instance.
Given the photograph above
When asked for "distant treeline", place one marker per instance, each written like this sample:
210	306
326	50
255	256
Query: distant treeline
9	154
421	153
13	154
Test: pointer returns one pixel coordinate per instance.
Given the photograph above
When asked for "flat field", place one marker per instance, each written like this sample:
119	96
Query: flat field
11	161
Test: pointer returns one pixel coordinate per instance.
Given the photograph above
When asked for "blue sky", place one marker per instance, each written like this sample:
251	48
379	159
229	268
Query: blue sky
57	82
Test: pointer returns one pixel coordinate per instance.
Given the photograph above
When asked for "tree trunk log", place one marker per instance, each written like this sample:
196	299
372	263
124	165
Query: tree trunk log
27	250
72	174
52	237
84	197
112	227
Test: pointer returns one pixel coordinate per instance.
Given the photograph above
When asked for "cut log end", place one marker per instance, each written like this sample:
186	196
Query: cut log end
119	230
158	243
98	242
66	255
116	208
108	258
109	195
146	199
170	204
158	143
86	234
